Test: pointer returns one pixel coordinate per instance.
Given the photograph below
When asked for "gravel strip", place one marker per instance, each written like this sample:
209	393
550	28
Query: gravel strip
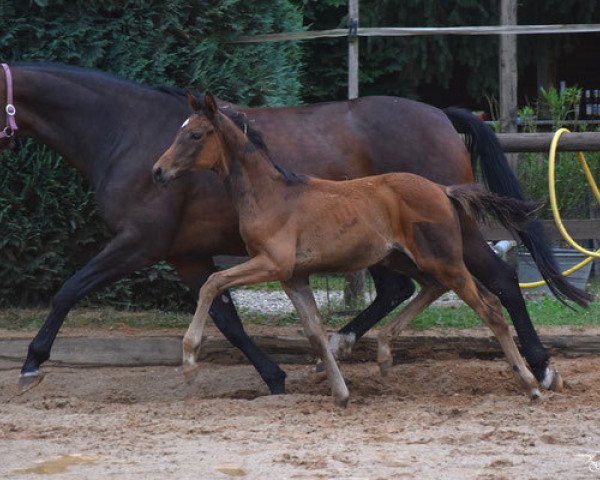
277	302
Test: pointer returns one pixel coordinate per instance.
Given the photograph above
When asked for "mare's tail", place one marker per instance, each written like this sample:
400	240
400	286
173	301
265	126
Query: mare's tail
483	145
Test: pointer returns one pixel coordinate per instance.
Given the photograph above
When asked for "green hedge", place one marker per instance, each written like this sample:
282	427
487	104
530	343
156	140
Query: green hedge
49	226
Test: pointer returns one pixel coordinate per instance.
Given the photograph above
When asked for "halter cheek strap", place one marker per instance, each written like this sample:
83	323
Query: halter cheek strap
10	110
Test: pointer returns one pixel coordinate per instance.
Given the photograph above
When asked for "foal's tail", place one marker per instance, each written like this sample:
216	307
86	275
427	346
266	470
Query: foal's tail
481	204
484	145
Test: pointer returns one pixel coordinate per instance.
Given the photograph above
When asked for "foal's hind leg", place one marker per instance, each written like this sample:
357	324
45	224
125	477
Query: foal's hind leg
428	293
489	309
299	292
501	279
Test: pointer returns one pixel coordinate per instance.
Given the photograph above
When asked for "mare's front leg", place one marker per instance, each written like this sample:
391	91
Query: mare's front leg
299	292
119	258
226	319
392	288
255	270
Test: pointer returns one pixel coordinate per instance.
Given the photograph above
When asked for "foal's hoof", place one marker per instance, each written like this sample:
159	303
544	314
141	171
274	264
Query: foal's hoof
340	344
30	380
552	380
385	367
189	373
535	395
342	402
320	367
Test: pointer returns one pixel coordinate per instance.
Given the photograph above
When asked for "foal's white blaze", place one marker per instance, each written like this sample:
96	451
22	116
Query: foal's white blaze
184	124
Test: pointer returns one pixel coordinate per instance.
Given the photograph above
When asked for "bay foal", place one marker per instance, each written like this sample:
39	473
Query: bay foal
295	225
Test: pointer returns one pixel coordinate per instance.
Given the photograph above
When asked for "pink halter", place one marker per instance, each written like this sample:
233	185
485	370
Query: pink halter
11	124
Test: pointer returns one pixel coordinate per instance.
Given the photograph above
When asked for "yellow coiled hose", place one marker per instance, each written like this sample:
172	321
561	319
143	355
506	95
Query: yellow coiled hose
553	203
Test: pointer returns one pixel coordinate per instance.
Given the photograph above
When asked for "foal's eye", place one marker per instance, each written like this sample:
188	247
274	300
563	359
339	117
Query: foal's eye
195	136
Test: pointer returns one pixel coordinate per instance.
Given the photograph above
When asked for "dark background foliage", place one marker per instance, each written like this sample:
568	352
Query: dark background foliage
441	70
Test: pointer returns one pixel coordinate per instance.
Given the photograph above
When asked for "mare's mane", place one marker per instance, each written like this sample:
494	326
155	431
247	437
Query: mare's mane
94	74
239	119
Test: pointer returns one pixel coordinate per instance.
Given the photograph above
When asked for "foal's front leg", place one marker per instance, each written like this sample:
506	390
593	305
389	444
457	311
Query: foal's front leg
255	270
299	292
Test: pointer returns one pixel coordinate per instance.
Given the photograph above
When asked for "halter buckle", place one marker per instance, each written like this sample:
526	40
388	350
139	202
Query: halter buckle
8	131
10	110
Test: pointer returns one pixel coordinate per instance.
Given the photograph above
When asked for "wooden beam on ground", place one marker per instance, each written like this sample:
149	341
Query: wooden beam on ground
133	351
540	142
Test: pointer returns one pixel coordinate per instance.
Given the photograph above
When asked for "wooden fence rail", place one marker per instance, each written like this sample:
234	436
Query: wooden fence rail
420	31
540	142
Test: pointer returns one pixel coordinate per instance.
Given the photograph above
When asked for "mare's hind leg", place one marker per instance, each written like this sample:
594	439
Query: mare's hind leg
226	319
489	309
392	289
257	269
501	279
428	294
299	292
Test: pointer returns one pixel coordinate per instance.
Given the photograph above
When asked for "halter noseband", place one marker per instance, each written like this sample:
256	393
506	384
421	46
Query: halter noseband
10	110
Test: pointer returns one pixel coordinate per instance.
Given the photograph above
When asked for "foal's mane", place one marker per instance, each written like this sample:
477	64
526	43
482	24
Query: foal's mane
255	137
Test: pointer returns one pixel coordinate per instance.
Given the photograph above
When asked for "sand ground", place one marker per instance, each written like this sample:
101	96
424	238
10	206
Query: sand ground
447	418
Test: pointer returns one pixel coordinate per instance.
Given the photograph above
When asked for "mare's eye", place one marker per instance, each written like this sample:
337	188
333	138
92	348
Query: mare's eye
195	136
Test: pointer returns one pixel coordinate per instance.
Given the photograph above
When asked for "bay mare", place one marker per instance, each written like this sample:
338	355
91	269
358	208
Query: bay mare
94	120
295	225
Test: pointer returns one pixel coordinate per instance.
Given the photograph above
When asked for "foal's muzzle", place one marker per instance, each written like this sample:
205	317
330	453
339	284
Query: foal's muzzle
159	176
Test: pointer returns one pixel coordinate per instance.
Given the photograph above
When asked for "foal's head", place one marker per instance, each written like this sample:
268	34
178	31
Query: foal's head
197	146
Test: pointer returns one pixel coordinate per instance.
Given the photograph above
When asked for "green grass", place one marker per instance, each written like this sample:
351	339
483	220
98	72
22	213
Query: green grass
545	311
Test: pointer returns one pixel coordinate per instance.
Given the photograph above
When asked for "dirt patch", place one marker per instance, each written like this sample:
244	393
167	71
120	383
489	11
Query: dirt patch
434	419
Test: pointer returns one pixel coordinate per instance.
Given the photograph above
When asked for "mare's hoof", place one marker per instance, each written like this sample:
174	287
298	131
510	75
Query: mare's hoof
552	380
277	385
30	380
277	390
385	367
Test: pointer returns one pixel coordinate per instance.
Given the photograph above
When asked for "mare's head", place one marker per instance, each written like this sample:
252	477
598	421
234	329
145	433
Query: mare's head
197	146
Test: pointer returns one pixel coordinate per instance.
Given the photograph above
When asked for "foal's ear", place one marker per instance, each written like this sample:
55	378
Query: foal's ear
210	105
195	104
